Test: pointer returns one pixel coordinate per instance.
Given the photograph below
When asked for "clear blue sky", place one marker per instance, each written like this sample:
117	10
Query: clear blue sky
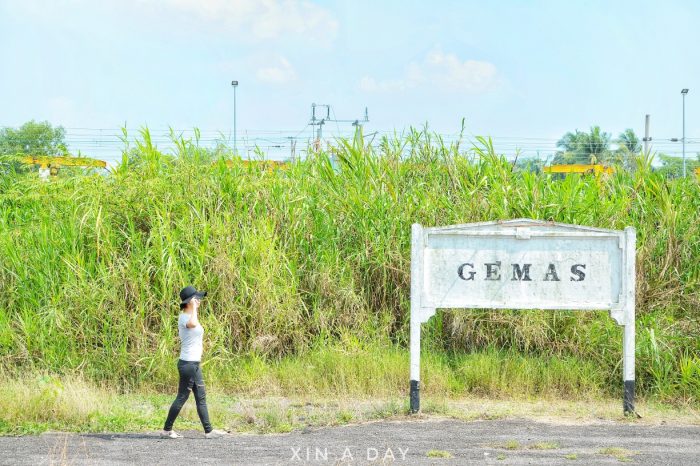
519	69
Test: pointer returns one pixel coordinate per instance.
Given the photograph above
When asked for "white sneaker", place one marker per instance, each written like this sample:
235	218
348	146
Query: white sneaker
216	434
169	434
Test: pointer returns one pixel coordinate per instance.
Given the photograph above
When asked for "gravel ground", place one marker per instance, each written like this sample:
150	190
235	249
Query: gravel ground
512	441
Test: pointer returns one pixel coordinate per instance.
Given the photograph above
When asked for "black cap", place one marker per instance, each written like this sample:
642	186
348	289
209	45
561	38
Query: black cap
189	292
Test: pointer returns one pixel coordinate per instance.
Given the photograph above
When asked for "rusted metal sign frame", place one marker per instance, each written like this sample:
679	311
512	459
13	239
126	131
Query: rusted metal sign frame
622	311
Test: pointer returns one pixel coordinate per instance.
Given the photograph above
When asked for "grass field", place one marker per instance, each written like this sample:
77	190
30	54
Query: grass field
42	403
308	273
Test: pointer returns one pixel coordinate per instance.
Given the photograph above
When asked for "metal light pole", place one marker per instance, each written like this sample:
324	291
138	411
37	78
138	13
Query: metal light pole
235	146
683	93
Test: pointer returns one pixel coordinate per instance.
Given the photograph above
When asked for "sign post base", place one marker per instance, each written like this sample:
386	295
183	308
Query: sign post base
628	399
415	396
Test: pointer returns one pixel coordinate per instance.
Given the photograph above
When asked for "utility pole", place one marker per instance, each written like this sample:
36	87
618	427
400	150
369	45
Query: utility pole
684	92
293	148
646	135
235	145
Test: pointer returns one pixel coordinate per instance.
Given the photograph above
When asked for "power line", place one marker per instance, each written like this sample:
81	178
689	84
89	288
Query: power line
110	144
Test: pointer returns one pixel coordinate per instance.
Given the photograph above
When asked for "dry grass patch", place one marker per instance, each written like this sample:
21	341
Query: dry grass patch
622	454
507	445
438	454
544	446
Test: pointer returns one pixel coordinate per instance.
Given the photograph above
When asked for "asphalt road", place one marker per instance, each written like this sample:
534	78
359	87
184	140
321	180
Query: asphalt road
510	441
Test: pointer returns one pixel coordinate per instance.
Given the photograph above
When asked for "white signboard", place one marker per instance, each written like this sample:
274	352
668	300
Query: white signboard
523	264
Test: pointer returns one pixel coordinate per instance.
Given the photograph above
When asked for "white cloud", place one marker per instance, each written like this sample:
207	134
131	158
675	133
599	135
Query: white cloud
441	70
278	72
369	84
251	20
257	19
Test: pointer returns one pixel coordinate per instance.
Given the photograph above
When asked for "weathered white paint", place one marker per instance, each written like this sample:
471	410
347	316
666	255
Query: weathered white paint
417	316
497	258
628	317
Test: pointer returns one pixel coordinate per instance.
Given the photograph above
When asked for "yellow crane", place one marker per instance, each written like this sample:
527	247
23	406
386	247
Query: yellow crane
580	168
49	165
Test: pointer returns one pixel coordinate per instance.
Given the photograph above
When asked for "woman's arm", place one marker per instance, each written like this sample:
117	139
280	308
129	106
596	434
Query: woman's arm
193	322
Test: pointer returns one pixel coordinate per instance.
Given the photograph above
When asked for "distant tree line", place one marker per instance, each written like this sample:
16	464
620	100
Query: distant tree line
594	147
577	147
33	138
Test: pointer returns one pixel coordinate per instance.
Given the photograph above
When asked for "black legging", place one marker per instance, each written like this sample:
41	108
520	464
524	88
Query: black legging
190	380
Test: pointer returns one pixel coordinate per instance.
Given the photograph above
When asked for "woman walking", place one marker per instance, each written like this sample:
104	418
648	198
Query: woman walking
191	380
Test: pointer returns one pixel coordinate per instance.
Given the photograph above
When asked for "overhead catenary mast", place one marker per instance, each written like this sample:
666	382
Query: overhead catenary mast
319	118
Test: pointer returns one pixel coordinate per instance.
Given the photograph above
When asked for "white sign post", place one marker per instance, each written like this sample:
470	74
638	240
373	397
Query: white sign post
523	264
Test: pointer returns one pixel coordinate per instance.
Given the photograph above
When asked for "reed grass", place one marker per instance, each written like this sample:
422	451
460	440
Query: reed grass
308	268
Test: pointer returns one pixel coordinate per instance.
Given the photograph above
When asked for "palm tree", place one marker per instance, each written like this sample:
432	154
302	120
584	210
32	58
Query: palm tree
629	141
628	145
598	143
582	147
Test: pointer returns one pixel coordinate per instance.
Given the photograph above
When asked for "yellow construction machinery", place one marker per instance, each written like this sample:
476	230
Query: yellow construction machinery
49	165
580	169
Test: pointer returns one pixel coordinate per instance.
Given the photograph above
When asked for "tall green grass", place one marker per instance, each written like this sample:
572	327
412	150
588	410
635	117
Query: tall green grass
318	256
